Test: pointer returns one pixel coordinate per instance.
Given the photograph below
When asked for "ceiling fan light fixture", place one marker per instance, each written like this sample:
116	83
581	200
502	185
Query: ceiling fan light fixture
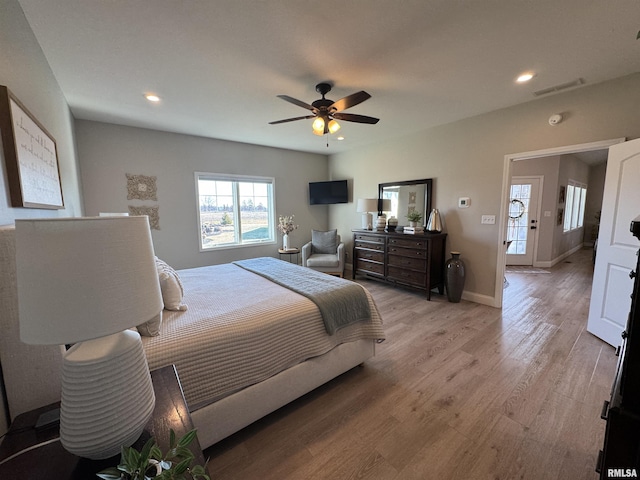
333	126
318	126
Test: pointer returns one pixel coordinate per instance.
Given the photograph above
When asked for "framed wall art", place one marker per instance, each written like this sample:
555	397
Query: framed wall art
141	187
151	212
30	155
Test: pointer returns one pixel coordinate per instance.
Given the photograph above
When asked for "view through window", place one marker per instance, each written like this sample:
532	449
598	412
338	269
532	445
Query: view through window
574	210
234	210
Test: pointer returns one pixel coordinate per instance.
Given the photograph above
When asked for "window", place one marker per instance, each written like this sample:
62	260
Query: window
234	210
575	203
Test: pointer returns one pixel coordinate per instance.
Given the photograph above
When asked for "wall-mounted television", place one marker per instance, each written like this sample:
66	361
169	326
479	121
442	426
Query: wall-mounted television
326	193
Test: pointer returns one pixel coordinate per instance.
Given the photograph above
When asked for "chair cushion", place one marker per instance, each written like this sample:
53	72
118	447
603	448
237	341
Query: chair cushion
323	260
324	242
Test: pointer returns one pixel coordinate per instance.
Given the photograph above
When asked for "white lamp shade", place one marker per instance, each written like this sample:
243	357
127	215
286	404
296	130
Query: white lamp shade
84	278
367	205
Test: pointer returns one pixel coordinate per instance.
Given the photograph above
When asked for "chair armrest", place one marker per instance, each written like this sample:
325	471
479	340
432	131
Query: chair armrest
341	254
306	253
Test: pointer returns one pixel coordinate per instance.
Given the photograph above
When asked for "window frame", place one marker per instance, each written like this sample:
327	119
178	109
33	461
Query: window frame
575	206
236	179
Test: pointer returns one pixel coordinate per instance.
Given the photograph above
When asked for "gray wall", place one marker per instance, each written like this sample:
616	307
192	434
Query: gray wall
24	69
594	202
107	152
466	159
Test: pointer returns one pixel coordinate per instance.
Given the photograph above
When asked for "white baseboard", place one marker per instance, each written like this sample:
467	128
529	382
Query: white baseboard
555	261
481	299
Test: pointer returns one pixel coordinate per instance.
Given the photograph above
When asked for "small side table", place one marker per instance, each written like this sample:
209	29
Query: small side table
52	461
290	252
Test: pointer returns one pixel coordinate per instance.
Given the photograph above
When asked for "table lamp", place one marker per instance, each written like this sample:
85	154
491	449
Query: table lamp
384	205
84	281
366	206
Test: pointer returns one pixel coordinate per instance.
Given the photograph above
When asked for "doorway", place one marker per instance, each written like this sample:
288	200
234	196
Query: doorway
504	208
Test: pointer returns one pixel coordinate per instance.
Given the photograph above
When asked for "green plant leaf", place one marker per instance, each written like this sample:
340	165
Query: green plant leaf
184	452
111	473
155	453
172	438
146	450
182	467
187	439
198	471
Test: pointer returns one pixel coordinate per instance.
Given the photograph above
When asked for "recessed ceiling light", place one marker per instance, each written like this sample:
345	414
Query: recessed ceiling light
152	97
340	138
525	77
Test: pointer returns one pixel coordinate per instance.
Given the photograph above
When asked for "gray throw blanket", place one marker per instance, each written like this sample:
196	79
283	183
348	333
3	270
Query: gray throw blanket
340	301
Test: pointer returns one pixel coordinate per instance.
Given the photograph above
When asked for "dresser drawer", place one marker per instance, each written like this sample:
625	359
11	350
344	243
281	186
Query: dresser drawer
419	243
407	262
376	256
403	275
369	267
363	237
369	245
407	252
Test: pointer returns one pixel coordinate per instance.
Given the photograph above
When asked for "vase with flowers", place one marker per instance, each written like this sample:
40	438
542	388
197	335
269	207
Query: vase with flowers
285	227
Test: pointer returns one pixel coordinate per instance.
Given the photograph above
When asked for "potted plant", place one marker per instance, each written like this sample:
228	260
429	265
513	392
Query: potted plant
149	463
414	217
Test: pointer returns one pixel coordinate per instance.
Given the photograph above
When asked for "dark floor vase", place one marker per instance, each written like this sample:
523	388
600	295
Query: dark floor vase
454	277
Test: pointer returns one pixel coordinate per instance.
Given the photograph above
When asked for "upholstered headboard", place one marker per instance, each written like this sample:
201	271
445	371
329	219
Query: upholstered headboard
31	373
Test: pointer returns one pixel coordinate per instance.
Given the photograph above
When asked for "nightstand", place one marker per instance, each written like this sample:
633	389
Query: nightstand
290	252
52	461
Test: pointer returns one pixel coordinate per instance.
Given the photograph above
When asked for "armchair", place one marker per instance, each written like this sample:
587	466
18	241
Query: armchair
325	253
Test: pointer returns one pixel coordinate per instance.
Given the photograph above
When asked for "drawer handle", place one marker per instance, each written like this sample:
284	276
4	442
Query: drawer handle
605	410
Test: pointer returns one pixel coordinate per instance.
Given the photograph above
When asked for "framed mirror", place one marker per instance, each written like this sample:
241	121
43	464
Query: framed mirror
406	197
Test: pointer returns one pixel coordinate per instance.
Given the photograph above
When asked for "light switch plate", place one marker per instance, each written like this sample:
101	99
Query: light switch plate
488	220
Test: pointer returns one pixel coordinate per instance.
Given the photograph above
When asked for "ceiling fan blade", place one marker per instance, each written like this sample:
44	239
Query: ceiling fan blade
350	101
350	117
300	103
291	119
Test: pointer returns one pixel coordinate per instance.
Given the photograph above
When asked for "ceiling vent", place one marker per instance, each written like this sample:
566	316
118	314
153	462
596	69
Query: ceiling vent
558	88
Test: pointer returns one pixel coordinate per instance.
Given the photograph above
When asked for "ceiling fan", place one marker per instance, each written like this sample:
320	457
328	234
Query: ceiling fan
326	111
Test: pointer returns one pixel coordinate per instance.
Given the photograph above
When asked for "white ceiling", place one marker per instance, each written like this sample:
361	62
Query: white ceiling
219	64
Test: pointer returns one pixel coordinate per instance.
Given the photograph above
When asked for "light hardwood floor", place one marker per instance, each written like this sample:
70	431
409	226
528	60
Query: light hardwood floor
457	391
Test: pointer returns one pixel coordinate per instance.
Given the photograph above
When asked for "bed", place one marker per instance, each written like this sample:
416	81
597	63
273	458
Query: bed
243	344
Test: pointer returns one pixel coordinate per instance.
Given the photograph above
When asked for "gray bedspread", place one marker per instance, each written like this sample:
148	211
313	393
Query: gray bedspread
340	301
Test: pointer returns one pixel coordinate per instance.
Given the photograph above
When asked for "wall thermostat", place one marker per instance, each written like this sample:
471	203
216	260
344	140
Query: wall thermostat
464	202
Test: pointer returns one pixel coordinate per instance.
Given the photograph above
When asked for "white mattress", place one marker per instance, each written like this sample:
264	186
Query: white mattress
240	329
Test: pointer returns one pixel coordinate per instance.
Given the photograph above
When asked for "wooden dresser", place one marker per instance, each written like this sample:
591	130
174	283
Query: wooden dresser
415	261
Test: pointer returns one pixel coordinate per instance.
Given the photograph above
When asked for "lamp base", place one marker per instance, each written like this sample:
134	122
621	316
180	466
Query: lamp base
107	395
367	221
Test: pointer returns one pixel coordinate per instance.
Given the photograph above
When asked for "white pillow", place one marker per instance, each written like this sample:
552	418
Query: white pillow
151	328
171	286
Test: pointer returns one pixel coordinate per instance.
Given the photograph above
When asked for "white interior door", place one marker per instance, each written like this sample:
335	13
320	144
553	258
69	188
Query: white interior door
616	252
522	223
